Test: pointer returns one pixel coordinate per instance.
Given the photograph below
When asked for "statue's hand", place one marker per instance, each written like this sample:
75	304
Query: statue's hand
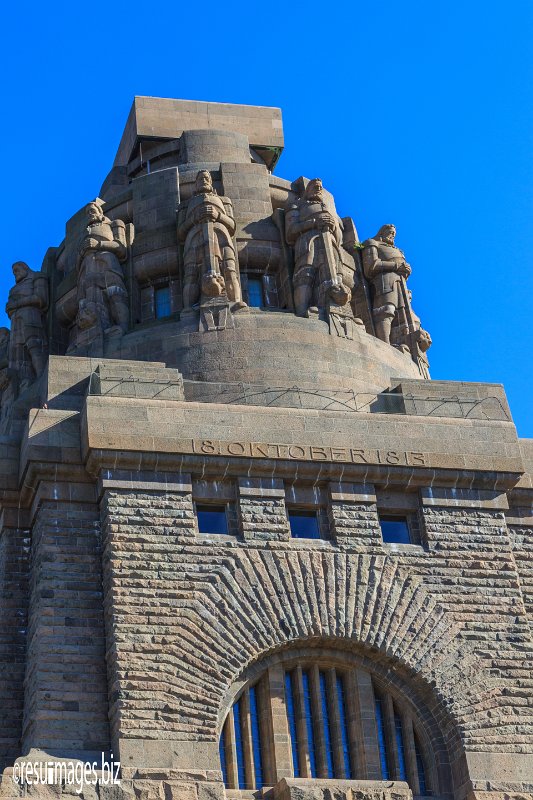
403	269
209	213
89	244
326	222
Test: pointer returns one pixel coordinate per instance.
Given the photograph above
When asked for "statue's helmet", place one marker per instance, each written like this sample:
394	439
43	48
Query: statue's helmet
94	211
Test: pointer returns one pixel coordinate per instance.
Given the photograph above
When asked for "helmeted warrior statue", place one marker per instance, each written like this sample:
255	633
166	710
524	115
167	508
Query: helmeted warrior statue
101	252
317	238
26	306
385	267
210	260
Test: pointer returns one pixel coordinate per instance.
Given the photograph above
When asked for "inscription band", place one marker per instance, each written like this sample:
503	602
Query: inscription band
297	452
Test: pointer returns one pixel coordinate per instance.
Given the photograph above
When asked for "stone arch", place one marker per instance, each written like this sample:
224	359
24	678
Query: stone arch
257	601
437	732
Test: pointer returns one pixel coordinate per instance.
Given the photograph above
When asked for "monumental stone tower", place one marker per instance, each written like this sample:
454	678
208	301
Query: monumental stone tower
247	545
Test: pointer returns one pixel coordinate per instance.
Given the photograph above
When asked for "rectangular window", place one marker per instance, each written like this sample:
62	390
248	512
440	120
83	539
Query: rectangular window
291	717
162	302
344	728
381	741
212	518
255	292
395	530
422	784
303	524
327	723
239	746
309	722
398	731
256	738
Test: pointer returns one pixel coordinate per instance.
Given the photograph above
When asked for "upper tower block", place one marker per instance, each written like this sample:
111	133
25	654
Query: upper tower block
155	124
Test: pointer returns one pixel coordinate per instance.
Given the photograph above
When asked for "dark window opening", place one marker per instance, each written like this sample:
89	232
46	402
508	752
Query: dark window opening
290	692
420	768
398	732
326	730
395	530
383	755
309	722
327	724
341	700
212	519
303	524
255	292
241	743
162	302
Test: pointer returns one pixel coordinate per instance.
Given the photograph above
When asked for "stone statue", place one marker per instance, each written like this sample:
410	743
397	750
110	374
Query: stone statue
210	259
409	335
101	252
385	267
4	359
89	330
8	380
317	238
26	306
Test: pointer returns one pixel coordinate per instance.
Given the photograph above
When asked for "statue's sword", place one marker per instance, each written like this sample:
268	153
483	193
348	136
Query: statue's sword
331	261
413	346
208	233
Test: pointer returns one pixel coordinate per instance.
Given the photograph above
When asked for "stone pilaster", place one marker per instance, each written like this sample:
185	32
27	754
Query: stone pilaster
14	556
353	515
262	512
65	709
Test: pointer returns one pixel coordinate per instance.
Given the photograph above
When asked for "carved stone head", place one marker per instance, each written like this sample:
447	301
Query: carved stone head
424	340
387	233
204	182
94	212
20	270
87	315
313	190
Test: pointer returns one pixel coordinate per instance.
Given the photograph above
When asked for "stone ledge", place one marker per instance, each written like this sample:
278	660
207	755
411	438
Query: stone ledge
316	789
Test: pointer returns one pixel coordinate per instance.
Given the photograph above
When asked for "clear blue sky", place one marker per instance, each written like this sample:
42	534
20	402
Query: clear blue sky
414	113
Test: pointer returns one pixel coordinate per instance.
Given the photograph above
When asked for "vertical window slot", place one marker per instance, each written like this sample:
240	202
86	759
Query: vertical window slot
381	741
291	716
309	722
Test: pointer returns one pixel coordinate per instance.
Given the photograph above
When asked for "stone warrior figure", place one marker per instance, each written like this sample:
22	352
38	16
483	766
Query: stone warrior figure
101	253
8	376
26	306
317	239
210	260
410	337
385	267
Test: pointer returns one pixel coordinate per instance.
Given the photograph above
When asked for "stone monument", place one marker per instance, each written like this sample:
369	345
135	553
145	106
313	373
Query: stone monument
248	549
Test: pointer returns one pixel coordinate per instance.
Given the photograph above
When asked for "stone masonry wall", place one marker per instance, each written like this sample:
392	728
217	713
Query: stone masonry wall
65	688
146	602
14	553
189	613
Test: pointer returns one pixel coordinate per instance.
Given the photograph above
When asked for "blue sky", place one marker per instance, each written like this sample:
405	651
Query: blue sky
414	113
